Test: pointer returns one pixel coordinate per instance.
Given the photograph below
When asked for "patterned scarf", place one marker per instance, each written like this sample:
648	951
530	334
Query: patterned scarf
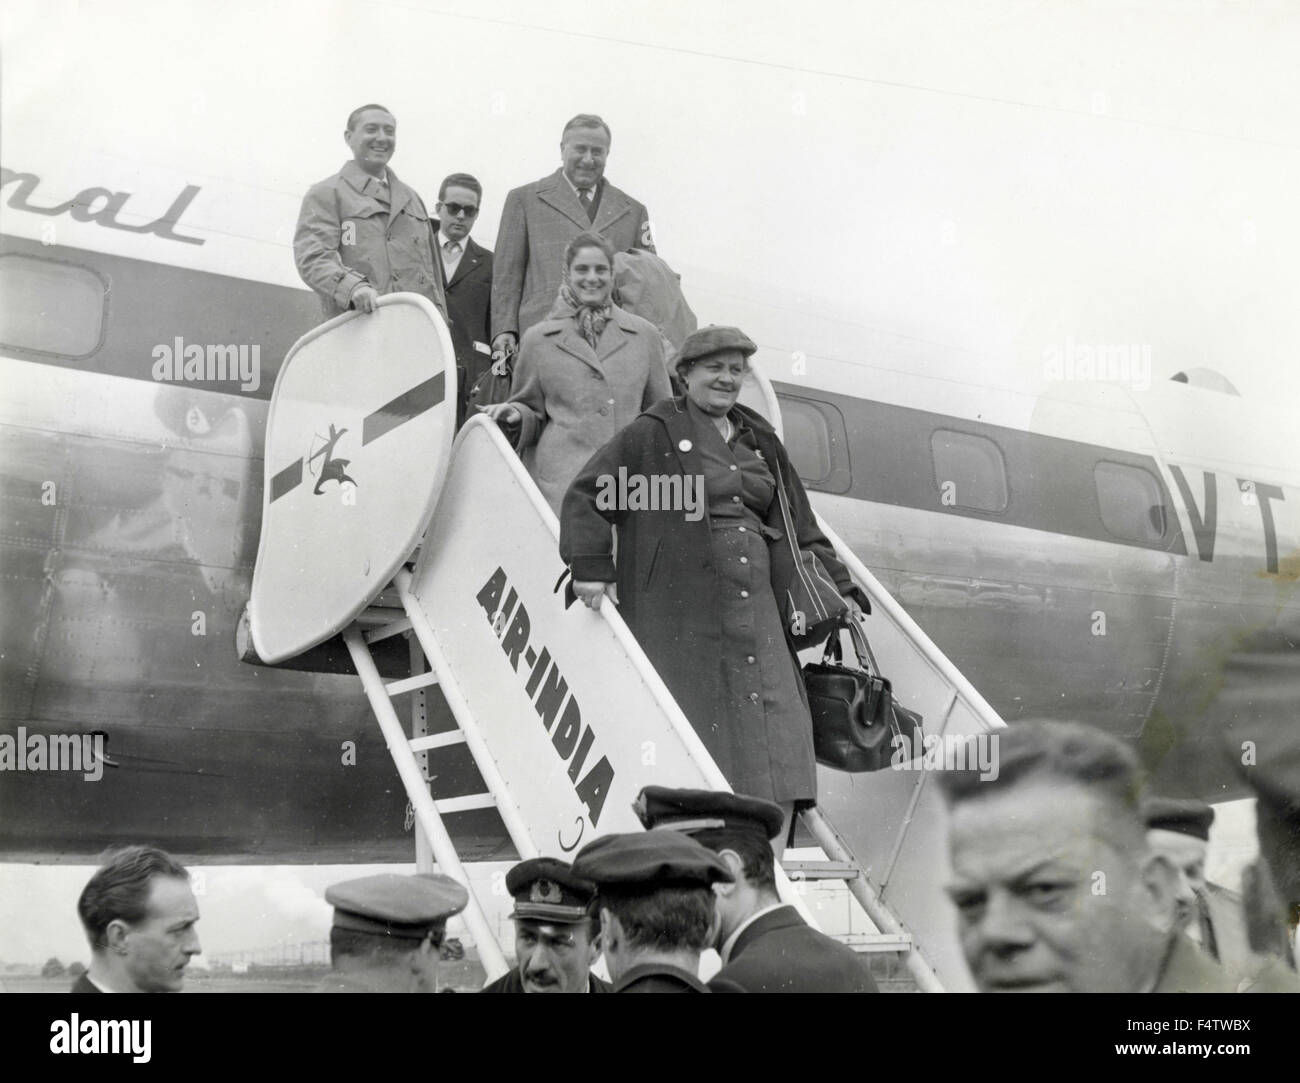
591	319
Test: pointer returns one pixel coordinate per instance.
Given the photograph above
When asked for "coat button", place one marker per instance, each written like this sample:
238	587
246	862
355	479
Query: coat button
685	445
744	560
753	696
744	594
750	659
735	500
732	466
741	529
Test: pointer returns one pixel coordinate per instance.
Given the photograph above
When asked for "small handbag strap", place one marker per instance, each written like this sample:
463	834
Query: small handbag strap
791	535
858	634
787	518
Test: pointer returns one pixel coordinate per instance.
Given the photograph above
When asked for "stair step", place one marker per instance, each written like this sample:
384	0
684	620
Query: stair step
874	942
820	870
411	684
465	804
437	740
386	629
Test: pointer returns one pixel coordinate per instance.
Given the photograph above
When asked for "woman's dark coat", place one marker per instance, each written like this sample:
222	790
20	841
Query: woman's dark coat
667	582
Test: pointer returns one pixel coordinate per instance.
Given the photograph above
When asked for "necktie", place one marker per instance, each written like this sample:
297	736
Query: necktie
450	258
588	204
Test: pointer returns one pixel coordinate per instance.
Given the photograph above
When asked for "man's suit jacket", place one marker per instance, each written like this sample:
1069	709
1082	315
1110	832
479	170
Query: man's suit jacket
469	303
538	221
1187	969
84	985
781	953
346	235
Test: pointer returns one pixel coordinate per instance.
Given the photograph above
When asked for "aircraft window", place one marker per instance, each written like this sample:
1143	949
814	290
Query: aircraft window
969	471
51	307
1131	502
807	439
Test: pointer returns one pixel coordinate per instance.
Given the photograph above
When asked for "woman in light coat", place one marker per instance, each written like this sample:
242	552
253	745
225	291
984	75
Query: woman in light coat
582	374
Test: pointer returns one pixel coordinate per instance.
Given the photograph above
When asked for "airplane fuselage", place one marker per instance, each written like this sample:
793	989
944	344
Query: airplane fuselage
1082	555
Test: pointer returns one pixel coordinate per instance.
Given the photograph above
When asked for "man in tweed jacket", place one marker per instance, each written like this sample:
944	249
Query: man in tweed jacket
541	218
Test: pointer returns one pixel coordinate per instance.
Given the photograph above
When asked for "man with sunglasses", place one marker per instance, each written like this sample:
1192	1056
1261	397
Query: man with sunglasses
466	277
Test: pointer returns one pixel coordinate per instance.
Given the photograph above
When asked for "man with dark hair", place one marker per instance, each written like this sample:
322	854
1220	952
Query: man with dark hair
556	934
1055	885
657	910
541	218
766	947
388	931
363	233
466	277
139	915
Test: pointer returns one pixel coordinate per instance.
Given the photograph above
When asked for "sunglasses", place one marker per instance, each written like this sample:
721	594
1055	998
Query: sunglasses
455	210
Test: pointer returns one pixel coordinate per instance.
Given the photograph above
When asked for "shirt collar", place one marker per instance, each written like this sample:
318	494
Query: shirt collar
729	945
443	239
576	191
362	179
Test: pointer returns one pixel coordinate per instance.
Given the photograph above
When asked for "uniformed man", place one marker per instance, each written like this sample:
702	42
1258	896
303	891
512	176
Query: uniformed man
556	935
1055	885
766	947
388	931
657	909
1180	830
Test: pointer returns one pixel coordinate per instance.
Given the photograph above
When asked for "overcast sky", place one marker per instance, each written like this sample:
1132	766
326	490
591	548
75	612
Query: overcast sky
972	180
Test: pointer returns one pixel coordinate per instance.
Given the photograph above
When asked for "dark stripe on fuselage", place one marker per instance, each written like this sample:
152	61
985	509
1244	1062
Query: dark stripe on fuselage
406	406
884	452
150	304
879	452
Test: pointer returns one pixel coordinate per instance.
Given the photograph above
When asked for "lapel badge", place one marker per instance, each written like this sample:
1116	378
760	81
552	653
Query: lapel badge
544	891
685	445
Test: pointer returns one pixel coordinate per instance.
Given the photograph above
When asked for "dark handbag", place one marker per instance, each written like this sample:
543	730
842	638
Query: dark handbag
493	386
810	602
857	726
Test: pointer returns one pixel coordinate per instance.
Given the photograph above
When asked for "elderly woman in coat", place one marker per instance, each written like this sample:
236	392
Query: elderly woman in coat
695	583
582	374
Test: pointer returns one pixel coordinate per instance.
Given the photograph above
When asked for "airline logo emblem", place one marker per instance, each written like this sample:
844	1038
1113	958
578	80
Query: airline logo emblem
357	441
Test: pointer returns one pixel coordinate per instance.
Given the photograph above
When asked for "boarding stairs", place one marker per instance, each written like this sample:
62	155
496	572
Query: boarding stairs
565	719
